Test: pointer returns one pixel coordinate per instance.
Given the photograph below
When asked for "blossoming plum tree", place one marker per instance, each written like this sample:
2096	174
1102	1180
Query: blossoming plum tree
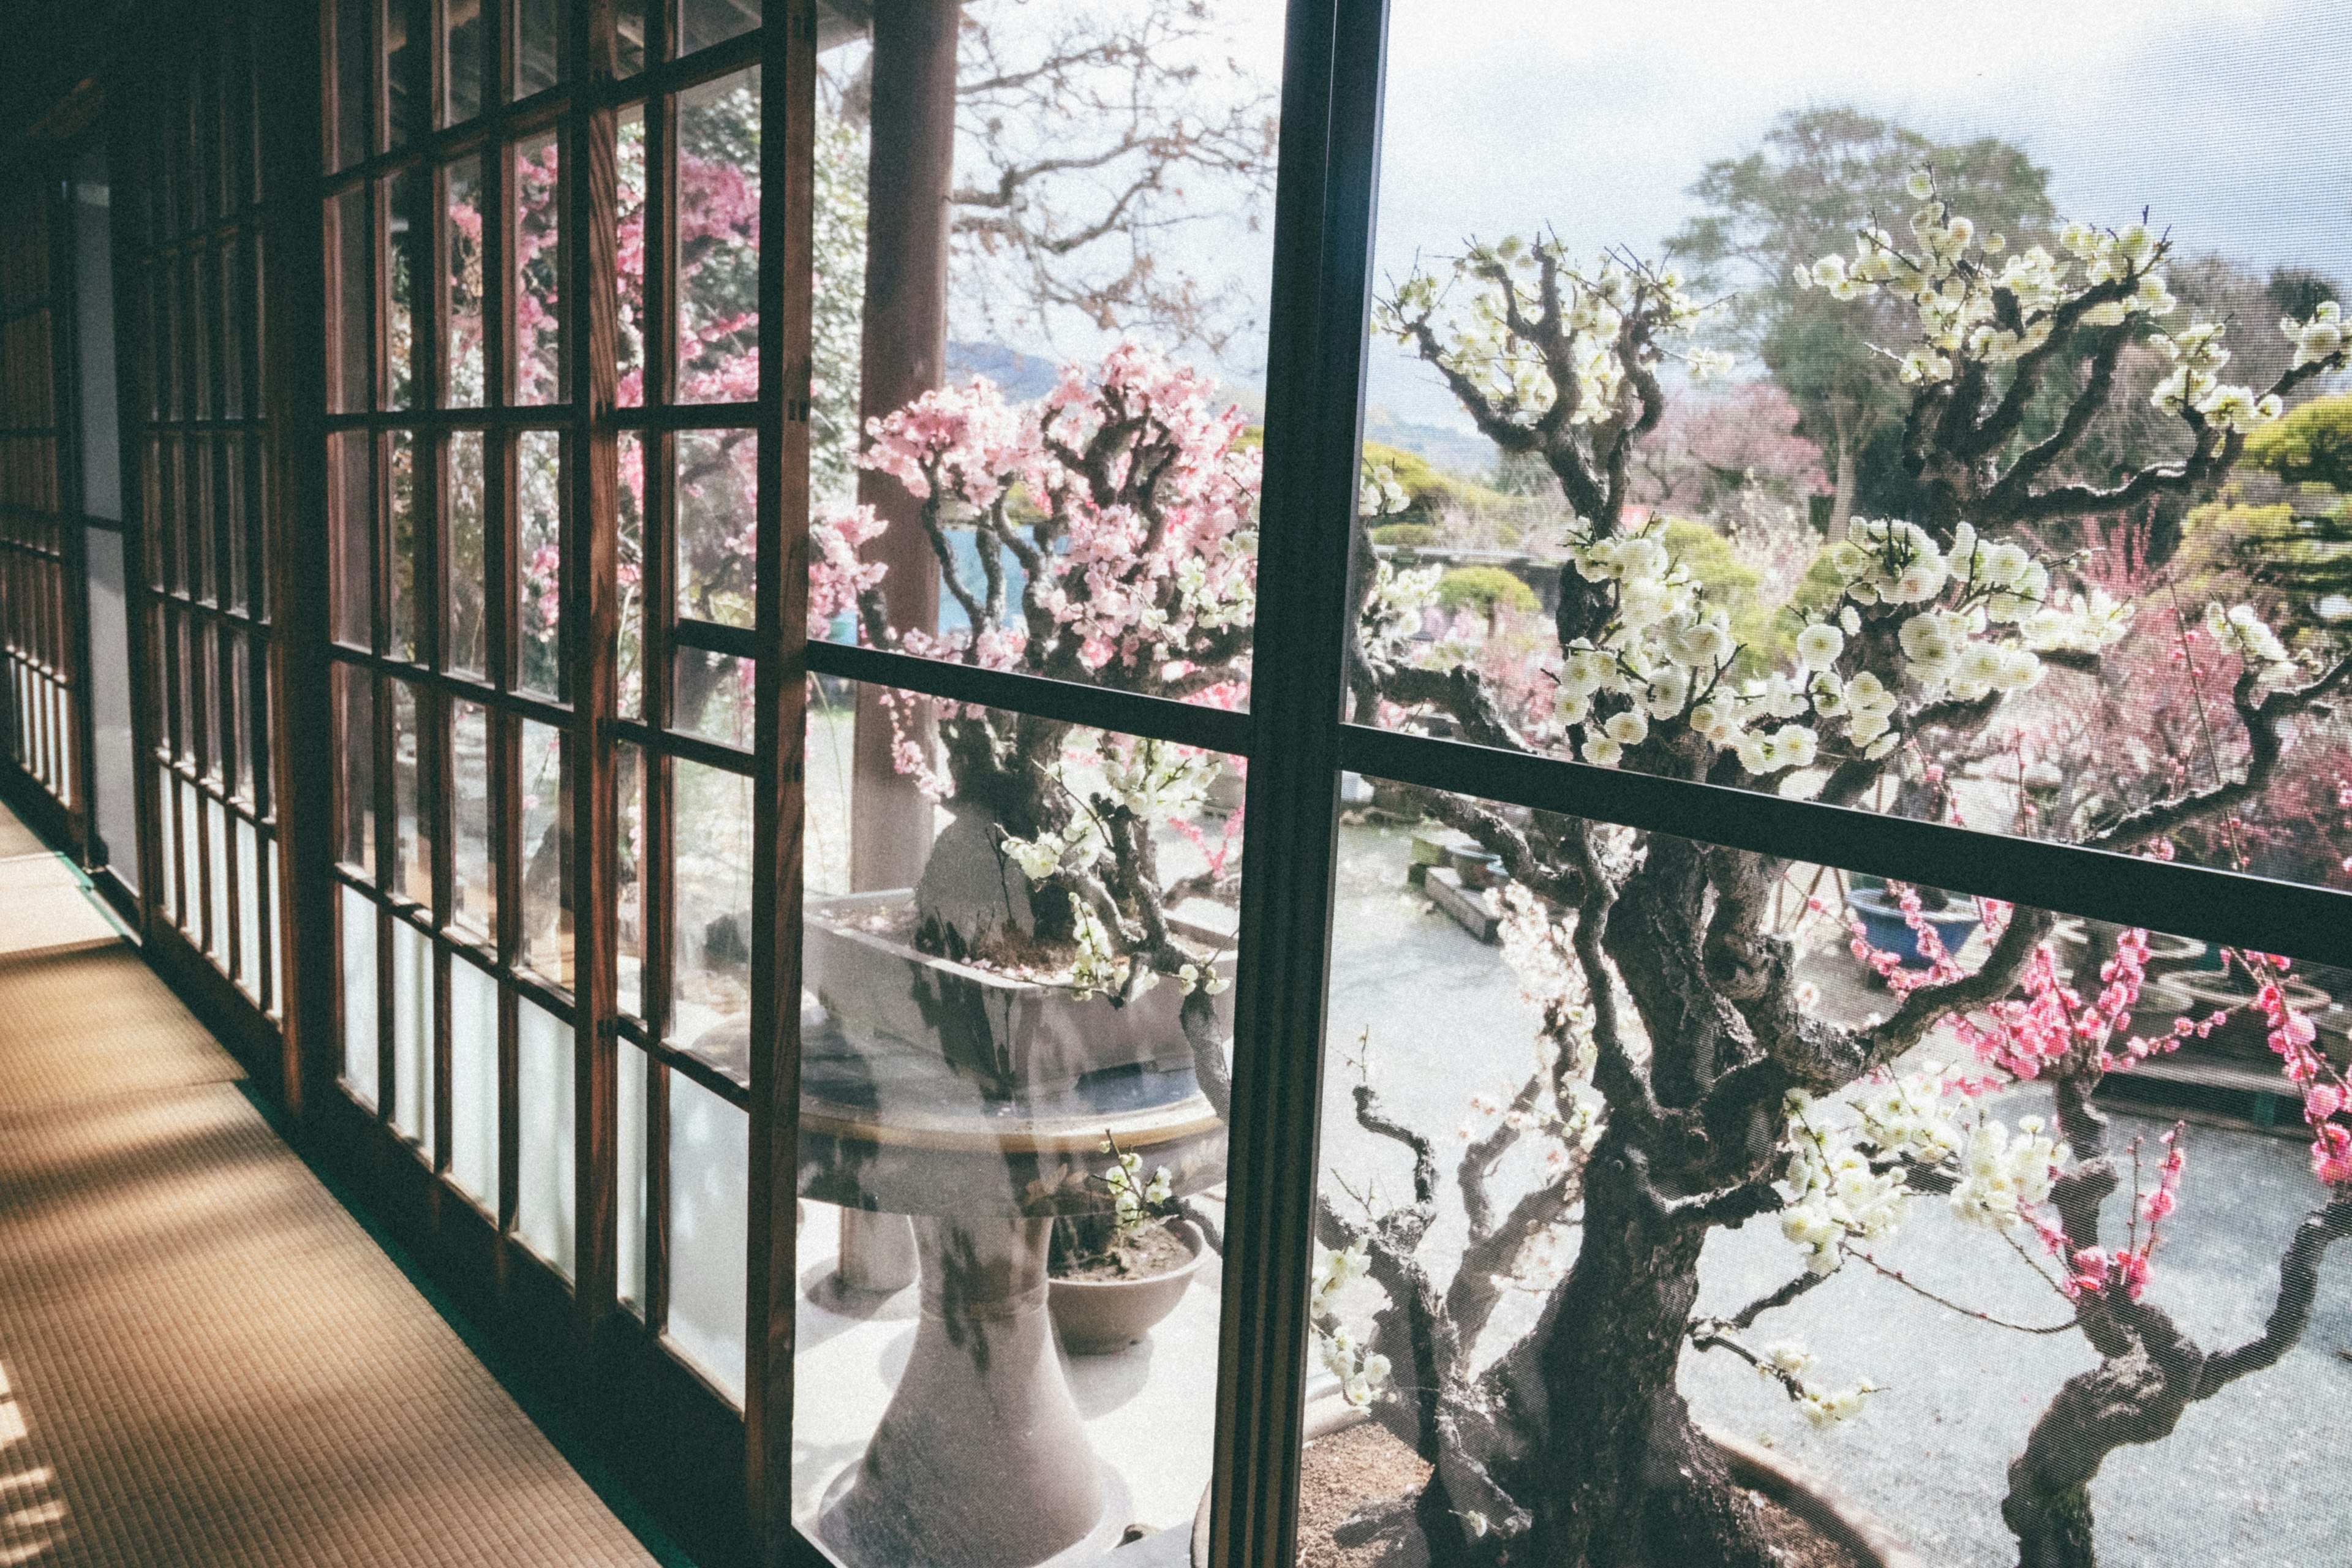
1112	522
1684	1081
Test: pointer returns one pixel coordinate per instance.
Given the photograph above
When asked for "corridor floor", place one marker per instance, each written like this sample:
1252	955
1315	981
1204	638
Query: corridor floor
204	1358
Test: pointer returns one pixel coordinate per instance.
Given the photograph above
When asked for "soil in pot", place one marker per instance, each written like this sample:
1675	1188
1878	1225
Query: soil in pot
1341	1473
1155	1252
1100	1309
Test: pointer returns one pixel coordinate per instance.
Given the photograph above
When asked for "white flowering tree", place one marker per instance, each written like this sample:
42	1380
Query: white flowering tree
1684	1083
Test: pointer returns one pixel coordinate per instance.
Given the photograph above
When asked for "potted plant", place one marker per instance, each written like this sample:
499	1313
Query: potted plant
1110	523
1115	1275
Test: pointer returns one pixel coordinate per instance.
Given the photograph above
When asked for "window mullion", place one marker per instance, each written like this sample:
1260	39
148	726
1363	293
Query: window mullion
1322	293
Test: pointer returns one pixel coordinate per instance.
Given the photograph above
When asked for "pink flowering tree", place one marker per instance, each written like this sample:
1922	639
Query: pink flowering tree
1688	1081
1110	525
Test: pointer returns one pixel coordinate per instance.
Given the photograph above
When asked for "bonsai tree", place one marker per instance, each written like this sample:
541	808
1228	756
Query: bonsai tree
1109	532
1681	1065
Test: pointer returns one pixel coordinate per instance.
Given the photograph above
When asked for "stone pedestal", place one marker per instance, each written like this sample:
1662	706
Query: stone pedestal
981	1458
877	1252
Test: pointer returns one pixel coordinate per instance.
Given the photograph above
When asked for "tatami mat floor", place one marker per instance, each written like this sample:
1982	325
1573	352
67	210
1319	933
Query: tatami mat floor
204	1358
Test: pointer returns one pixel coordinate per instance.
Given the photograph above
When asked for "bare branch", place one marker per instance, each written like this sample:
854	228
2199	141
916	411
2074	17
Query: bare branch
2299	1289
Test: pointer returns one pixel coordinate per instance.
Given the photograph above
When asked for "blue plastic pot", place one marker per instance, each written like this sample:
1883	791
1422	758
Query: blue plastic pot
1883	923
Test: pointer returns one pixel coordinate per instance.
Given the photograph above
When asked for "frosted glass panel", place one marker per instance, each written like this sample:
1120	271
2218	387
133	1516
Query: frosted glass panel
543	1198
412	1033
216	851
474	1083
166	816
192	889
248	910
631	1251
709	1186
110	699
359	996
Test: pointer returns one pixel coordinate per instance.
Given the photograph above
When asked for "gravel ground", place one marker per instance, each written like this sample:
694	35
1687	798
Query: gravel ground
2255	1477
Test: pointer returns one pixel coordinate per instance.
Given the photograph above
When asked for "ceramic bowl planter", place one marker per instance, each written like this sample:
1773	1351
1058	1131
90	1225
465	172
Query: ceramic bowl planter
1477	867
2198	993
2166	954
1102	1317
1883	922
1008	1035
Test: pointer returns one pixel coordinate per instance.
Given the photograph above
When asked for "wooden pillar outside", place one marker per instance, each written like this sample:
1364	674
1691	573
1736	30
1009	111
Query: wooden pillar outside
904	355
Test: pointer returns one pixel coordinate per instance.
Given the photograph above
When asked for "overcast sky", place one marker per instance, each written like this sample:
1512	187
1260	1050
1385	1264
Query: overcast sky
2226	117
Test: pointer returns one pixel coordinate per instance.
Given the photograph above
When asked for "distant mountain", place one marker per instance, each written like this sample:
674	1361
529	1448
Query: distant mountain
1459	451
1021	376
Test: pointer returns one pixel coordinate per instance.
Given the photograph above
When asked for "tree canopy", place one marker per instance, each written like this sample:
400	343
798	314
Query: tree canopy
1819	176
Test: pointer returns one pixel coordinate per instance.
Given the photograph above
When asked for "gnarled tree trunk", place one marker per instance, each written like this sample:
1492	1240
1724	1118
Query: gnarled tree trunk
1629	1482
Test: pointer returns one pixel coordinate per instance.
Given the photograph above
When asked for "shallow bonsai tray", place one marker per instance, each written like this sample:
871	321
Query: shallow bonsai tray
2205	1085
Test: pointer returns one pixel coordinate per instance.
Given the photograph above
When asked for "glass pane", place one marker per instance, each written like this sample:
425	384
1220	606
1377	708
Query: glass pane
217	935
629	876
461	370
718	496
101	455
466	56
719	241
474	902
411	865
546	850
351	237
474	1083
193	897
251	894
629	24
407	26
408	260
468	585
252	721
538	268
1102	274
702	23
355	710
236	522
110	690
1057	977
539	554
710	1221
714	697
359	1060
629	1132
405	542
1902	519
631	275
355	521
1921	1179
538	55
710	910
630	569
353	47
412	1033
824	835
167	816
267	970
544	1195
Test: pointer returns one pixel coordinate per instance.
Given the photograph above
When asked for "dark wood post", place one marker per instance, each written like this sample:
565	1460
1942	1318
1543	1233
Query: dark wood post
590	247
904	355
788	187
294	396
